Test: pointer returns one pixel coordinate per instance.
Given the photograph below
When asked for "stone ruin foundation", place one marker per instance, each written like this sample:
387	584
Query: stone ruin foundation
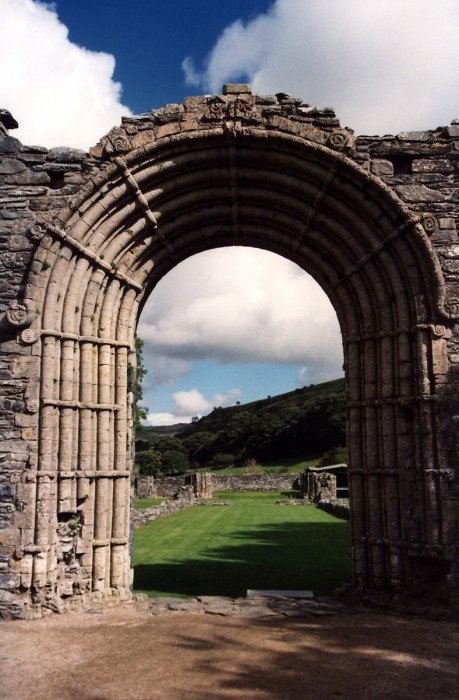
200	483
84	239
321	486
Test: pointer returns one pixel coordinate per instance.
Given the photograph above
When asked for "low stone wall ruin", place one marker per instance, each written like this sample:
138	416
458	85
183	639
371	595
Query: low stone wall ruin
313	485
254	482
166	487
145	515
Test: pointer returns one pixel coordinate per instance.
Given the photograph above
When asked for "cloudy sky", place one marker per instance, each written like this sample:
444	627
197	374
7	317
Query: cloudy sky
233	324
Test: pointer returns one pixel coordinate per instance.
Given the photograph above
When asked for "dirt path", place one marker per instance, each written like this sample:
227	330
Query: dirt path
127	653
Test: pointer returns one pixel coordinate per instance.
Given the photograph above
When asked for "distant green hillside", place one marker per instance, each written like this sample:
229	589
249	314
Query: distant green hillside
292	400
148	435
299	424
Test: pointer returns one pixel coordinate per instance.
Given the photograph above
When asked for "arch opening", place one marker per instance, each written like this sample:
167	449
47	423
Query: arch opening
257	322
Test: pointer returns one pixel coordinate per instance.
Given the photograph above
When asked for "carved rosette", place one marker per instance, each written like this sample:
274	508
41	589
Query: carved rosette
242	109
338	140
19	315
438	331
29	336
430	224
117	142
36	232
218	109
215	110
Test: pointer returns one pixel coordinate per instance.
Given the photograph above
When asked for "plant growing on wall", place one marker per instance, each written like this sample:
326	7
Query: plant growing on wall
140	412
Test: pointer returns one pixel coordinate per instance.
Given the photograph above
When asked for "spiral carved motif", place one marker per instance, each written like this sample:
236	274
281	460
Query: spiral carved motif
337	140
29	336
19	315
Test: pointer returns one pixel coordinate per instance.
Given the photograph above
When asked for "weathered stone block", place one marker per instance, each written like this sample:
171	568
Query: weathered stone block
237	89
381	167
10	537
7	491
415	136
419	193
432	165
447	223
11	166
9	582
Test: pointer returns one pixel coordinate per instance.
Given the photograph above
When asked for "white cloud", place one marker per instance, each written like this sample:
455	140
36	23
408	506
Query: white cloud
188	404
193	403
385	66
241	305
158	419
313	374
60	93
228	399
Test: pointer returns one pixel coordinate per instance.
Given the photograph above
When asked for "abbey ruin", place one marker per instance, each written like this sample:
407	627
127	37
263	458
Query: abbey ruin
86	237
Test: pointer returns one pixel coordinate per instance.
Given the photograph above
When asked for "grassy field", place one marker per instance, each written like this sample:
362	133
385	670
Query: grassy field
253	543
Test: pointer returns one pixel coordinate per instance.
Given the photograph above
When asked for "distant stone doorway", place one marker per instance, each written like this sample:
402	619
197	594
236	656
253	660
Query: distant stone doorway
90	236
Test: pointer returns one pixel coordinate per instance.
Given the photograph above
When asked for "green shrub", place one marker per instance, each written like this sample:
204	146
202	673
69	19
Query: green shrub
251	466
149	462
337	455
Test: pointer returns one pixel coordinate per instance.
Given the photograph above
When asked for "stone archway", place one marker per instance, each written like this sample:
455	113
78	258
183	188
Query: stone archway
235	169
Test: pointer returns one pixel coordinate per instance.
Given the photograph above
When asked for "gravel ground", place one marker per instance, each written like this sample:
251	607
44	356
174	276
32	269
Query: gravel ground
126	652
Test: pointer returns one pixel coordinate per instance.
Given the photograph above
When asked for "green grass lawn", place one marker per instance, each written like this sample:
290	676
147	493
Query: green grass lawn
140	503
251	544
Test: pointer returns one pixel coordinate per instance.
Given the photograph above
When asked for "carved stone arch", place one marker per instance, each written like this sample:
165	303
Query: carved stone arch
232	176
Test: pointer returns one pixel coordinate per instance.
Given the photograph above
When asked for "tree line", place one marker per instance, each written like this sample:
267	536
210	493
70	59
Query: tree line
270	430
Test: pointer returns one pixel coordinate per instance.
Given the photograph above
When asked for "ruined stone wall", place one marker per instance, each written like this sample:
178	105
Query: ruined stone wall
146	515
166	487
145	487
64	518
255	482
33	181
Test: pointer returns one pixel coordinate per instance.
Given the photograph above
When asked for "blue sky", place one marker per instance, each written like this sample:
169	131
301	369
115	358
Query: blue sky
151	39
229	325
